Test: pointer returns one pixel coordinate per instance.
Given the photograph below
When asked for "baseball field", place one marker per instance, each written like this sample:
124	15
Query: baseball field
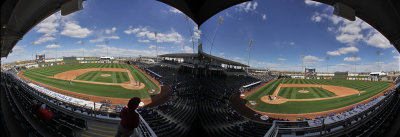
95	79
307	96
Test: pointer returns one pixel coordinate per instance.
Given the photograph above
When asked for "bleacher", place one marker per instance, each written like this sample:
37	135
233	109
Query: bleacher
205	98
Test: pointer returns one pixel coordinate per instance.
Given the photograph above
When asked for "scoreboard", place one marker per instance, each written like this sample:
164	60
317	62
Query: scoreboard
40	58
309	72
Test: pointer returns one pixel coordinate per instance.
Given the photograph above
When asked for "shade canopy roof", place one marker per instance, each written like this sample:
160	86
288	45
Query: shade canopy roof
211	57
201	10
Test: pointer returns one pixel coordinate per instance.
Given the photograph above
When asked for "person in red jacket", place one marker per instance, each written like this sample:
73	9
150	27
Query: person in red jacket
44	113
129	118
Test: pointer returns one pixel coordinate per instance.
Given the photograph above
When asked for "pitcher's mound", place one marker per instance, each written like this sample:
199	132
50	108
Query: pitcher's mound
105	75
278	100
303	91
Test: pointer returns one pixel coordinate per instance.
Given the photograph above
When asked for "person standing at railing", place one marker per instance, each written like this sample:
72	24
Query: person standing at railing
129	118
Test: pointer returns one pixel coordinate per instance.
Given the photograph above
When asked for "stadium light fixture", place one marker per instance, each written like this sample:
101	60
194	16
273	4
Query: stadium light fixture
248	60
155	36
302	63
107	45
83	50
55	44
327	59
220	20
355	60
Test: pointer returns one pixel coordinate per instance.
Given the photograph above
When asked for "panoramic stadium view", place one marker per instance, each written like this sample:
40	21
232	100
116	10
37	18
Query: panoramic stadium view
209	68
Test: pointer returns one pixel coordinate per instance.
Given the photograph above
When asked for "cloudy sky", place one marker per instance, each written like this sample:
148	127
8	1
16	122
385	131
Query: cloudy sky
287	34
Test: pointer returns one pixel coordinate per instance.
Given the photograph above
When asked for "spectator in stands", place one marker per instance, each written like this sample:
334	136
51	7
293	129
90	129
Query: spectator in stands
44	113
129	118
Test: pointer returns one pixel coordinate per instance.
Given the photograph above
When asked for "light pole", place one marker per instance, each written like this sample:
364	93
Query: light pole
155	36
33	50
55	44
107	46
190	31
220	20
248	60
302	64
327	59
83	50
355	59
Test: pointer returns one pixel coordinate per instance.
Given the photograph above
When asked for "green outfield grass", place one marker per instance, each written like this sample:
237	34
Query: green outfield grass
95	76
314	92
41	75
371	88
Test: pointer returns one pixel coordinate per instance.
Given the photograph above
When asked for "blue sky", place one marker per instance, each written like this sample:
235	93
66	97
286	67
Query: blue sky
283	32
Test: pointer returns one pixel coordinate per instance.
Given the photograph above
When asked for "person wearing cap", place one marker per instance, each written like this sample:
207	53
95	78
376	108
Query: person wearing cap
129	118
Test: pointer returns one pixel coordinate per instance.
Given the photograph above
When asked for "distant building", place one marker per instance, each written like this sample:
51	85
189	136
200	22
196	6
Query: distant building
105	58
341	73
69	58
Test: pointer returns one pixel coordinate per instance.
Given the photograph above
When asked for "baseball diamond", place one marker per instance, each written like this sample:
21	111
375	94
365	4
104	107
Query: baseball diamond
104	76
98	81
281	98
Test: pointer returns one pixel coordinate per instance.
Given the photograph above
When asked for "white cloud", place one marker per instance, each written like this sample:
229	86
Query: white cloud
316	17
53	46
311	61
187	49
264	16
312	3
144	41
17	53
112	30
352	32
343	51
18	50
174	10
101	50
366	67
131	30
349	38
247	7
239	59
221	54
376	39
394	51
72	29
152	46
43	39
102	46
145	34
351	59
291	43
282	59
396	57
103	38
196	33
49	27
311	58
333	53
80	42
